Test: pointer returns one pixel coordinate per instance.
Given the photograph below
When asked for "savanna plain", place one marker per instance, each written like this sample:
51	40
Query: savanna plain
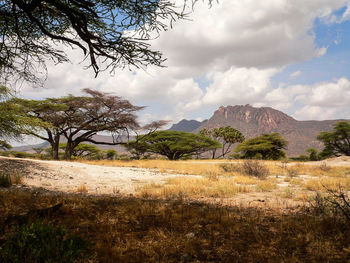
175	211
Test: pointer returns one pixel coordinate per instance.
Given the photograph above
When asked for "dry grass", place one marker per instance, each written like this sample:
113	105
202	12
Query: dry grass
82	189
266	186
324	183
193	188
176	167
141	230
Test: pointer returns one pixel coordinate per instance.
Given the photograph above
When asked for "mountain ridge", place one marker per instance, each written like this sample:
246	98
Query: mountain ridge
254	121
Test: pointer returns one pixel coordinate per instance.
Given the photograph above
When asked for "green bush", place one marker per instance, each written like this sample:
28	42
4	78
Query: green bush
40	242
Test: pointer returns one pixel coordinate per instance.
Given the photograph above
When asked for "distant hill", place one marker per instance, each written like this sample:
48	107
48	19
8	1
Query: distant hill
253	121
186	125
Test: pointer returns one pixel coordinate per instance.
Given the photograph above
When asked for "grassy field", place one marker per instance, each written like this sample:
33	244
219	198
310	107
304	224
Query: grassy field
189	218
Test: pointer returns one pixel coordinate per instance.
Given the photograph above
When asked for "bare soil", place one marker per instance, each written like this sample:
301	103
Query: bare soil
67	177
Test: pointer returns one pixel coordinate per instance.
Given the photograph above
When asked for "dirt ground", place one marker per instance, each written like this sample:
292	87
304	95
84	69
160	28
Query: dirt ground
67	177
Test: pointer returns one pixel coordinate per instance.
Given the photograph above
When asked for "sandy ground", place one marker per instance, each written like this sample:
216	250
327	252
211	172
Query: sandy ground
69	176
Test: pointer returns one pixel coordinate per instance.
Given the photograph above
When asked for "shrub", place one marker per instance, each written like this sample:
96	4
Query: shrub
254	168
292	171
40	242
230	167
9	178
336	205
324	167
5	180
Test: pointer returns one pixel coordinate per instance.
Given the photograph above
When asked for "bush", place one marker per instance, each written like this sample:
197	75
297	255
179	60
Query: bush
9	178
336	205
5	180
254	168
40	242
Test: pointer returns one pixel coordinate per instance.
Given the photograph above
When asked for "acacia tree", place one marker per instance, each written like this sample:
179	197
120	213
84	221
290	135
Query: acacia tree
266	146
114	32
79	119
227	136
336	142
177	144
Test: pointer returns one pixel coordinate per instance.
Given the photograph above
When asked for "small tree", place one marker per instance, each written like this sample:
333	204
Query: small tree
227	136
267	147
336	142
313	154
177	144
111	154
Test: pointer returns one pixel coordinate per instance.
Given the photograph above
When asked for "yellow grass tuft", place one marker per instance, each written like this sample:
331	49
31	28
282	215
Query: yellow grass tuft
266	186
82	189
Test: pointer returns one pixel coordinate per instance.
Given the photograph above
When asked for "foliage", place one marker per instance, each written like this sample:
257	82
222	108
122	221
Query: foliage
227	136
111	154
10	124
111	34
39	242
137	148
267	147
336	142
313	154
176	144
83	150
4	145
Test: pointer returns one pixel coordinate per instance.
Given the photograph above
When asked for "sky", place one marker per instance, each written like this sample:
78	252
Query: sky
293	56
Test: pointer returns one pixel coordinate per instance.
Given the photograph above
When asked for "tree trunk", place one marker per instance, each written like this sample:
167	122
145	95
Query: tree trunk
68	151
213	156
54	149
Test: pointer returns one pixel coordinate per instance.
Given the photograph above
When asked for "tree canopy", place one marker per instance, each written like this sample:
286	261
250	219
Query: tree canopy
227	136
176	144
336	142
267	146
111	34
12	122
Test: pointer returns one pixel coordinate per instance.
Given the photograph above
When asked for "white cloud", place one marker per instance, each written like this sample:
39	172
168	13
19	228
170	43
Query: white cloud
238	86
295	74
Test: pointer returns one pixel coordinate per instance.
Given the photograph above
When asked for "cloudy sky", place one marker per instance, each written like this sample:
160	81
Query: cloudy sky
290	55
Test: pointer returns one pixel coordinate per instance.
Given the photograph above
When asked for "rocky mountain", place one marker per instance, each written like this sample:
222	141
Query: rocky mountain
186	125
253	121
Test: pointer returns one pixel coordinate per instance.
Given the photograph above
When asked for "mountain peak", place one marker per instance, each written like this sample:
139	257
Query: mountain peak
267	119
